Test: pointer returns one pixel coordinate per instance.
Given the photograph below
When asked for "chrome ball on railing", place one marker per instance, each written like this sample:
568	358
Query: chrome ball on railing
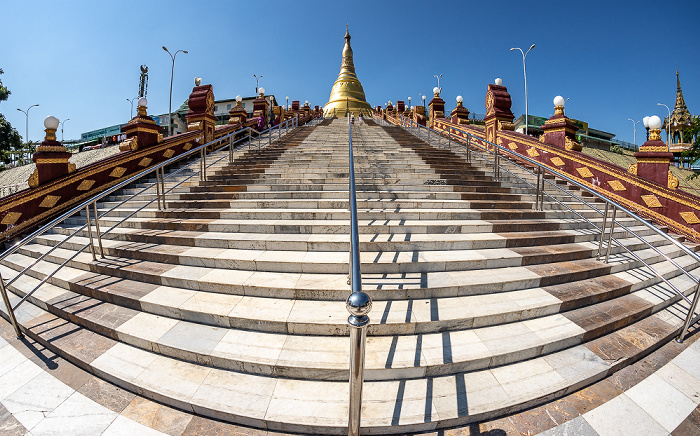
358	304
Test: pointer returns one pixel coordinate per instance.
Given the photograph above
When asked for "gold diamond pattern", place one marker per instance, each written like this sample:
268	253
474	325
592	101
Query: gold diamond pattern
50	201
146	161
85	185
690	217
532	152
584	172
11	218
168	153
187	146
512	146
557	161
117	172
651	201
617	185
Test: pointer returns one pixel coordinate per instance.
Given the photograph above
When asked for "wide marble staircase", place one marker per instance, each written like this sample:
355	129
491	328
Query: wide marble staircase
231	302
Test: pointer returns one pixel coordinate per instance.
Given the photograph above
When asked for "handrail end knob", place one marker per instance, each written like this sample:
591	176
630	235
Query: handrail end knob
358	304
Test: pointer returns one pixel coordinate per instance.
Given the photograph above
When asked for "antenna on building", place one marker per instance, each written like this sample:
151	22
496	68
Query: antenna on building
143	81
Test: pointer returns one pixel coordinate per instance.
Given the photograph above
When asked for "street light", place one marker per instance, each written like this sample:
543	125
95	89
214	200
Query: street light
438	79
26	139
645	121
668	123
257	79
132	106
287	97
525	77
62	127
634	125
170	103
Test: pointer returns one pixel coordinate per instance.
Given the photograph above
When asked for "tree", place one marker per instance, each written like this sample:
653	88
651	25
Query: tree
693	132
4	92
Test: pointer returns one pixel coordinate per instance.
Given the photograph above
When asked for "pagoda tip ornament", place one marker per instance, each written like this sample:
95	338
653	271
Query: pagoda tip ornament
347	95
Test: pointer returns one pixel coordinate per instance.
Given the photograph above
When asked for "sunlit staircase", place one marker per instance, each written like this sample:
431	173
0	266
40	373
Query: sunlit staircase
231	302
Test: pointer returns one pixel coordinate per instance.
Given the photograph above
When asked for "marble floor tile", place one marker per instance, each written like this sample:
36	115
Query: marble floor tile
623	417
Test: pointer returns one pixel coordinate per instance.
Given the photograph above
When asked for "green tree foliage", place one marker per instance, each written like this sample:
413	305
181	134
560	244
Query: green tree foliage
4	92
694	134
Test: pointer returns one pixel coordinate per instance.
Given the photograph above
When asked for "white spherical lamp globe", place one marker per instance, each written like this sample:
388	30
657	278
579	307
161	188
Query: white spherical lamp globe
143	102
559	101
498	81
239	98
261	90
436	90
459	99
654	122
197	81
51	122
645	120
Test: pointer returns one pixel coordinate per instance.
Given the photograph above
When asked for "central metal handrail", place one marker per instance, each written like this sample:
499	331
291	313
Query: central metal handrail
244	134
498	152
358	304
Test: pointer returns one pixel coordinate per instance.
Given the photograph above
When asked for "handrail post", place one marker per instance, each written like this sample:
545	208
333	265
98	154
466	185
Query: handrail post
10	312
89	229
97	228
537	191
158	186
162	186
612	230
602	230
495	162
688	318
230	149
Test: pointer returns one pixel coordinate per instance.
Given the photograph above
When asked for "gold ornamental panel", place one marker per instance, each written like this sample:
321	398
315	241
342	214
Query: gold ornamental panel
146	161
169	153
512	145
85	185
532	152
690	217
651	201
557	161
632	169
617	185
117	172
672	181
584	172
11	218
50	201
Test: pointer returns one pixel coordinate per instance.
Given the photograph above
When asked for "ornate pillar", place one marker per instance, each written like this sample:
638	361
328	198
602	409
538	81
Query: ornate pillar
498	114
201	113
261	106
141	131
460	114
436	107
653	158
51	157
237	115
419	115
559	130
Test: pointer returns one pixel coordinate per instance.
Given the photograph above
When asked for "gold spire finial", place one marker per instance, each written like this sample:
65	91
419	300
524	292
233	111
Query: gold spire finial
347	94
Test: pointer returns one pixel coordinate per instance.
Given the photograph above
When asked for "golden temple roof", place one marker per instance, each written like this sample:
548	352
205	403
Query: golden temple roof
347	94
680	115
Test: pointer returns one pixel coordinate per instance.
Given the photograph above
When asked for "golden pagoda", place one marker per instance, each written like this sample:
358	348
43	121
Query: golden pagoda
681	120
347	96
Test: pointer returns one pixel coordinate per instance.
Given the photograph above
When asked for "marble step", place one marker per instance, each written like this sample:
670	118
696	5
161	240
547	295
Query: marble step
285	404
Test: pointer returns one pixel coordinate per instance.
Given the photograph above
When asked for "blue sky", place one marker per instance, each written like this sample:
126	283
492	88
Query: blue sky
614	59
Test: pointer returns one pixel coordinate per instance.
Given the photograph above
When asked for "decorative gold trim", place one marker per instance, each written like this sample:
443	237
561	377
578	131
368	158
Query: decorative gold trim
632	169
194	126
651	201
654	148
672	181
653	160
60	160
34	179
71	167
690	217
513	146
50	135
617	185
129	144
11	218
50	201
557	161
117	172
51	148
169	153
532	152
85	185
160	138
146	161
584	172
655	135
571	145
187	146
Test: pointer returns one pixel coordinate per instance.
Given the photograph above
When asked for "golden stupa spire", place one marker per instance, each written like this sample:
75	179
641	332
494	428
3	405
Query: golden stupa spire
347	94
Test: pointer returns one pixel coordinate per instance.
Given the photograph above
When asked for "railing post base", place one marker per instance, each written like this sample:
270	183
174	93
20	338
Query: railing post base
359	305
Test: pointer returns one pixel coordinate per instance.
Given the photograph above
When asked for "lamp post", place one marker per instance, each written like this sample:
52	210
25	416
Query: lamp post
170	103
132	106
26	139
409	103
438	79
668	122
645	121
257	79
287	97
634	134
525	77
423	97
62	127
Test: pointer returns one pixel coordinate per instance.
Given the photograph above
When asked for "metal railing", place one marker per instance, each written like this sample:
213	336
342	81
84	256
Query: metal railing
358	304
230	140
502	154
